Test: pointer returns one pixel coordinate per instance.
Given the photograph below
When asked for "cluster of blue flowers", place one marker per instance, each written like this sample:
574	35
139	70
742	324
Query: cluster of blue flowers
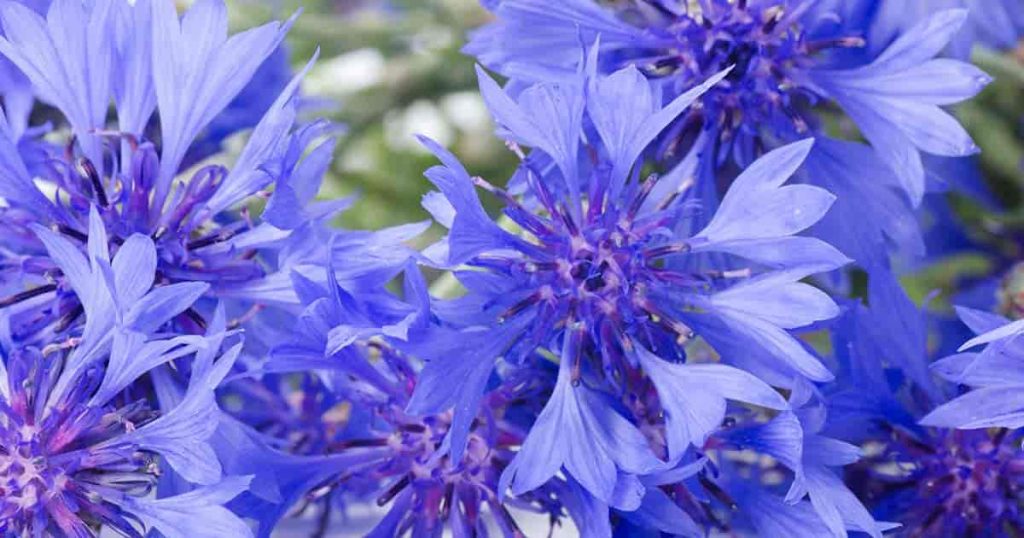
656	337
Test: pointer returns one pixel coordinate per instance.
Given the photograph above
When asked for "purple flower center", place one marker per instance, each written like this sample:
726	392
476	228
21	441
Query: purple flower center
770	54
954	483
600	272
971	482
59	460
192	244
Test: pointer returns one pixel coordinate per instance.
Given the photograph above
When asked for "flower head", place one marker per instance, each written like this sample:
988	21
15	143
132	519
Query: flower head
610	276
915	470
959	482
147	61
354	409
416	477
77	450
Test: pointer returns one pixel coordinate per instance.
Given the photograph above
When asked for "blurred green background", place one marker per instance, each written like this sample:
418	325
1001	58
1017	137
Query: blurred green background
388	70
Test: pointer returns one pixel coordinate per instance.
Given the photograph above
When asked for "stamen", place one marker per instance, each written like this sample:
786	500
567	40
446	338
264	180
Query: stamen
211	239
685	186
717	492
576	336
666	250
533	177
519	307
64	322
516	211
998	438
26	295
772	17
71	232
683	332
394	490
360	443
247	316
735	273
196	317
645	190
88	170
446	502
563	213
69	148
841	42
132	140
506	516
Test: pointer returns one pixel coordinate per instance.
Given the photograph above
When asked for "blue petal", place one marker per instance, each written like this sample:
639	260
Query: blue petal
757	205
694	397
988	407
182	434
162	304
131	357
771	516
659	511
468	356
69	259
198	70
531	32
197	514
588	512
68	57
267	140
546	116
472	230
901	117
897	321
279	479
755	343
1006	331
980	321
869	218
293	193
782	438
133	82
134	268
16	184
628	115
921	42
778	298
579	429
838	507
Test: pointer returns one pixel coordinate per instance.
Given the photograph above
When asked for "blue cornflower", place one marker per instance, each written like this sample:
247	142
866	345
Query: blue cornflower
77	451
789	73
335	395
817	502
608	276
424	488
932	480
139	55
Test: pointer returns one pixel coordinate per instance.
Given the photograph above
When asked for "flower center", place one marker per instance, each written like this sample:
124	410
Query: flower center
769	53
191	245
589	275
963	483
23	479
